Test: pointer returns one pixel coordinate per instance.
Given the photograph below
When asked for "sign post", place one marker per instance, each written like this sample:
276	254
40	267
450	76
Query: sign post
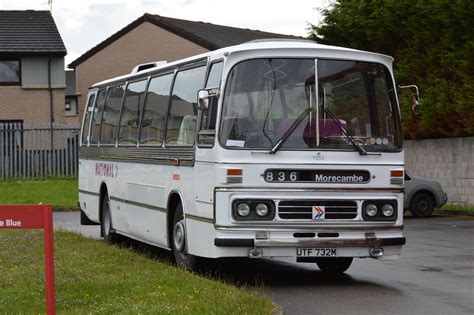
35	217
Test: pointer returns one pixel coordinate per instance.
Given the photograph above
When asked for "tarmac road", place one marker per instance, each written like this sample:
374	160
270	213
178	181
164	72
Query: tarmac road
434	276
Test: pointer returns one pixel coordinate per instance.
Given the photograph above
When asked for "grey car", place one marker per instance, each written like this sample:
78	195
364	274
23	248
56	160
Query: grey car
422	196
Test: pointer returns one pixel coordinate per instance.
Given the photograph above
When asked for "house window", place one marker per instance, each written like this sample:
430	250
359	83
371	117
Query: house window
9	72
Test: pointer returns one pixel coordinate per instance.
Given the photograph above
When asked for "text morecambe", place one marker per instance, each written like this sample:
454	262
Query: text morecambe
339	179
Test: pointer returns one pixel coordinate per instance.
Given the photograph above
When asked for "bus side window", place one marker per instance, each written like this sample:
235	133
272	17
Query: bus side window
87	119
97	117
209	116
155	109
181	124
110	118
130	117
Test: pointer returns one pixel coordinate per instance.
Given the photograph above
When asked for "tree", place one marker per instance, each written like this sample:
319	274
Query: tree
433	46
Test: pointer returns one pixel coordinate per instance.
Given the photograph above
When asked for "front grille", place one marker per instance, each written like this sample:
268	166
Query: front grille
303	209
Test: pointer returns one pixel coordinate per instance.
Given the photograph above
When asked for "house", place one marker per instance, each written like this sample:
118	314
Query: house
32	79
154	38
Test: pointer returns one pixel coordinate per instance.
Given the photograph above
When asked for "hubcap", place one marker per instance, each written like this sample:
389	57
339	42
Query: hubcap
423	206
179	236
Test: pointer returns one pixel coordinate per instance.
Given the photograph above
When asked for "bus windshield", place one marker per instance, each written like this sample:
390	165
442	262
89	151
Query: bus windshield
264	98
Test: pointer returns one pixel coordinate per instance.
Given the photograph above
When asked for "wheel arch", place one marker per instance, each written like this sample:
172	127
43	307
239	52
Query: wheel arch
174	199
102	191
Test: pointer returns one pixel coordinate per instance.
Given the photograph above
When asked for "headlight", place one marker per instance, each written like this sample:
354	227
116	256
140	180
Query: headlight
388	210
379	210
261	209
371	210
243	209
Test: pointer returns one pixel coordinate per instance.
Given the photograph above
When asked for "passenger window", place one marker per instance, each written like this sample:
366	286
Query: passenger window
181	125
87	118
208	116
110	118
130	117
97	117
154	112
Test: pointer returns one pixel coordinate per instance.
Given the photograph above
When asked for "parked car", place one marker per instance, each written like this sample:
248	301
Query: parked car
422	196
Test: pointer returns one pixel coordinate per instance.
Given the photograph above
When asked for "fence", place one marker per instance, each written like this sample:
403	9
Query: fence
38	151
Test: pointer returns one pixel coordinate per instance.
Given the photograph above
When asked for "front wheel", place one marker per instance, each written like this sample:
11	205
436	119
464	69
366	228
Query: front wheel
334	265
179	242
422	205
106	222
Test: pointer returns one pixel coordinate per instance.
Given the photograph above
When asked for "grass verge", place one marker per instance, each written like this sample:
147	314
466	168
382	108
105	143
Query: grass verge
456	208
92	277
61	193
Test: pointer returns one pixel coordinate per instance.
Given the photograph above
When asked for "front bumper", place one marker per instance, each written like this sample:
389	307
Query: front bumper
369	241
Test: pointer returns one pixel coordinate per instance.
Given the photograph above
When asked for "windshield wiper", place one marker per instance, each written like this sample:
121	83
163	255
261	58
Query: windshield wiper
290	131
348	136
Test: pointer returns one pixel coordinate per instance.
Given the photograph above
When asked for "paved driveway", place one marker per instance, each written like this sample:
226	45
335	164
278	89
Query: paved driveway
434	276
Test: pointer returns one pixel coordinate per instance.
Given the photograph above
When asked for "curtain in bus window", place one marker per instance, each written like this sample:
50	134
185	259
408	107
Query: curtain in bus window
87	120
108	134
130	117
97	117
181	126
154	112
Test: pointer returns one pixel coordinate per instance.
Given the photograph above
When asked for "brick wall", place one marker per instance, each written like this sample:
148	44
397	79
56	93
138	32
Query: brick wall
145	43
449	161
32	105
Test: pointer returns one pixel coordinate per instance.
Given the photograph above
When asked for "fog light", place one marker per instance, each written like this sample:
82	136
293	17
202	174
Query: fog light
376	252
261	209
387	210
371	210
243	209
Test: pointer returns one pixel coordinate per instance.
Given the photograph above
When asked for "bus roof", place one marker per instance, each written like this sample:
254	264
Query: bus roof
255	45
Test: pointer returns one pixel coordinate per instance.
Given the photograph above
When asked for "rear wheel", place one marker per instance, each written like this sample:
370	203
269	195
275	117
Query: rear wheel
334	265
422	205
106	222
179	242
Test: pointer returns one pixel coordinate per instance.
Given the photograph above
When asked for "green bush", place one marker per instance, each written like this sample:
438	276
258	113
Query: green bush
433	46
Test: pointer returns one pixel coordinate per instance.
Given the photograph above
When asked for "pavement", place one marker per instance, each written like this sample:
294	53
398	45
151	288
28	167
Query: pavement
435	274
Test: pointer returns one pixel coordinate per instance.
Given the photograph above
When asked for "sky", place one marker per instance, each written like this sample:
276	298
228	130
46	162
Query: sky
85	23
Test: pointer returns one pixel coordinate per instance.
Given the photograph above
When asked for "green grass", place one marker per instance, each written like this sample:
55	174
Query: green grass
61	193
456	208
93	278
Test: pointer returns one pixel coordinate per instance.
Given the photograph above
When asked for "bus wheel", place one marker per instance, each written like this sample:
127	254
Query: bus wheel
334	264
182	257
106	221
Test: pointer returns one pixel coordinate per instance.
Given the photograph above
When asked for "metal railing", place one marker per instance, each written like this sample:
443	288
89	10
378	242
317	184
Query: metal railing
38	151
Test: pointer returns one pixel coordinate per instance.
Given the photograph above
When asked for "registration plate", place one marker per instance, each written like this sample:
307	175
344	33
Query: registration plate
316	252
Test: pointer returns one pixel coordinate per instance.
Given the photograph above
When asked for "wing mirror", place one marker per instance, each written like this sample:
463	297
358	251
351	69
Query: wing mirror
415	99
203	99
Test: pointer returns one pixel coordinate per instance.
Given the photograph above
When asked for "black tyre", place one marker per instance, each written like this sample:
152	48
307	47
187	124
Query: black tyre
334	265
422	205
106	228
179	242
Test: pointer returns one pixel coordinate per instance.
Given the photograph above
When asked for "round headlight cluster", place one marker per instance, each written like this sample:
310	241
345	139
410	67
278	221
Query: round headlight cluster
379	210
243	209
250	210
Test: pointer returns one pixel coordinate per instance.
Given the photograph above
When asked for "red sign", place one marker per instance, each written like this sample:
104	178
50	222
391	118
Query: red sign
35	217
